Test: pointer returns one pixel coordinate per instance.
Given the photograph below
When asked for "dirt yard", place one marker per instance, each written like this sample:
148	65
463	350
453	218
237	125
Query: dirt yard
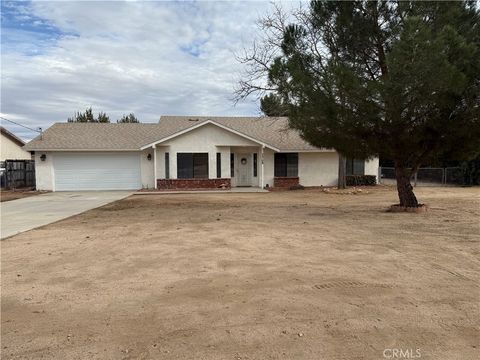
8	195
285	275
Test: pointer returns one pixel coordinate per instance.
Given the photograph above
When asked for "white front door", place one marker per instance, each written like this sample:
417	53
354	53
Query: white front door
244	166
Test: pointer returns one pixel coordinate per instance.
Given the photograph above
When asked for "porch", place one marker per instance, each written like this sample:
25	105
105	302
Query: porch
224	168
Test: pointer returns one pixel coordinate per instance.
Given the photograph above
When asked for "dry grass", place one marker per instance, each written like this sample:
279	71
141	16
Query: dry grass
8	195
288	275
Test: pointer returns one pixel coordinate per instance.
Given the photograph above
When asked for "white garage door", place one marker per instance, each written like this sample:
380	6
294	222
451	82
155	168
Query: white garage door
97	171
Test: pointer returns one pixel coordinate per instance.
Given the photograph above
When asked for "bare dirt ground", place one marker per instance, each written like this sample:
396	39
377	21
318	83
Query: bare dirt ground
287	275
8	195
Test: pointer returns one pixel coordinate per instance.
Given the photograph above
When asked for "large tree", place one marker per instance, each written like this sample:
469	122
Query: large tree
87	116
399	80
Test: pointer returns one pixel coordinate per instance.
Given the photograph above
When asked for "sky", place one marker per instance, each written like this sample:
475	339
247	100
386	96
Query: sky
151	58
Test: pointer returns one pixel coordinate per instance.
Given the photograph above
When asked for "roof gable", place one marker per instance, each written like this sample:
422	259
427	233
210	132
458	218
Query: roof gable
273	131
202	124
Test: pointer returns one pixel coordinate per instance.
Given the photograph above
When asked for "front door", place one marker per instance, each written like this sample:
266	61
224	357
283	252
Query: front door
244	166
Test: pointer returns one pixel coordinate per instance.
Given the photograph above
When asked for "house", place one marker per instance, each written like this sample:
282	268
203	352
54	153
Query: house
12	147
183	152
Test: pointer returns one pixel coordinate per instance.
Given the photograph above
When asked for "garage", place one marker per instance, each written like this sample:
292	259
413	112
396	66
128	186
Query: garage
97	171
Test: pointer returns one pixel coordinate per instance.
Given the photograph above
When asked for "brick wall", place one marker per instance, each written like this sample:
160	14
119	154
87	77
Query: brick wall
285	182
164	184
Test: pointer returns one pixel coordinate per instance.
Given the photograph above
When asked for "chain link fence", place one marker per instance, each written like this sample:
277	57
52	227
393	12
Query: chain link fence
449	176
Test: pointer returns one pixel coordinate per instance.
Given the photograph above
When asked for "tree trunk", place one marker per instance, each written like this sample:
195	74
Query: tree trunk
404	188
342	169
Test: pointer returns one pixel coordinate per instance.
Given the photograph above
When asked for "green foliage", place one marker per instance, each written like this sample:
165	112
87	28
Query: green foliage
399	80
130	118
272	105
88	116
361	180
103	118
471	171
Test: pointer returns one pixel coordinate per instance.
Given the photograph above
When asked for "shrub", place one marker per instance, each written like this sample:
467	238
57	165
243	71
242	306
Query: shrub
361	180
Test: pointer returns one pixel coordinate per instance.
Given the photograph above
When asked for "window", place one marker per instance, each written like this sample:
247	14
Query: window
286	164
232	165
167	166
355	167
219	165
255	170
192	165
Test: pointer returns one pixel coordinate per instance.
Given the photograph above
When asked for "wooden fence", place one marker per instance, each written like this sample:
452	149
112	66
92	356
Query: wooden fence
17	174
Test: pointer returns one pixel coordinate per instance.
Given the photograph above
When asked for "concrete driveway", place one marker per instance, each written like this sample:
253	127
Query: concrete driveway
29	213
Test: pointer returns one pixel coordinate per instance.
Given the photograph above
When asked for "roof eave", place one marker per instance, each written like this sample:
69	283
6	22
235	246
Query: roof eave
12	136
78	150
319	150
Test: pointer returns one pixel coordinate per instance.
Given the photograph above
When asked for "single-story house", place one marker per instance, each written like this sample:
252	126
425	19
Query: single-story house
183	152
12	147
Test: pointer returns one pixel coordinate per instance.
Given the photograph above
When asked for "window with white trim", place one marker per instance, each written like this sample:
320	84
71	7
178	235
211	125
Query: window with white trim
192	165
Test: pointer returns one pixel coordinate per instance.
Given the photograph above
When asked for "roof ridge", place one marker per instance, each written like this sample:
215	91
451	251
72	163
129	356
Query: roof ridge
216	116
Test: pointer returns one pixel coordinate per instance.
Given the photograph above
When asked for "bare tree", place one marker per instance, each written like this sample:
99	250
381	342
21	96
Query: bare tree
259	57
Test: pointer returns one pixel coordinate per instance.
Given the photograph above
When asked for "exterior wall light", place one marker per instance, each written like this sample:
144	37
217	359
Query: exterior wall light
43	157
149	157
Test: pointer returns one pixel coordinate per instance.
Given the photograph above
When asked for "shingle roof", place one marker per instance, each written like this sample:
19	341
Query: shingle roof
93	136
272	131
100	136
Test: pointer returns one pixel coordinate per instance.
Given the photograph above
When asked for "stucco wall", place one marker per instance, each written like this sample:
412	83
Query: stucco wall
371	167
44	171
146	168
268	170
160	158
225	162
207	139
315	169
45	175
10	150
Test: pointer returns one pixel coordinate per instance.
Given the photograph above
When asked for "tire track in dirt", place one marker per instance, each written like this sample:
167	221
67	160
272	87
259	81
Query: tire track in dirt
350	284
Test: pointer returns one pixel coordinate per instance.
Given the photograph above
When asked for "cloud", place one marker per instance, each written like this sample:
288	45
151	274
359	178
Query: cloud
150	58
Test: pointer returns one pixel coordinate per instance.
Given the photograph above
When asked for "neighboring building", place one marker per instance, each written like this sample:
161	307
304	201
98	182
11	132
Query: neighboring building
182	152
12	147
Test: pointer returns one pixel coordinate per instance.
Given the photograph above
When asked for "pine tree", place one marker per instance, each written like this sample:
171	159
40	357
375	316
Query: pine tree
272	105
130	118
399	80
88	116
103	118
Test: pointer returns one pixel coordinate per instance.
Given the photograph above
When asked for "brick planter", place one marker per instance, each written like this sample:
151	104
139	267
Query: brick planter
285	182
175	184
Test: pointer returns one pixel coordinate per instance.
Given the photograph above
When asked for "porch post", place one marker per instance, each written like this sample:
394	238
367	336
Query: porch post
262	174
154	166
